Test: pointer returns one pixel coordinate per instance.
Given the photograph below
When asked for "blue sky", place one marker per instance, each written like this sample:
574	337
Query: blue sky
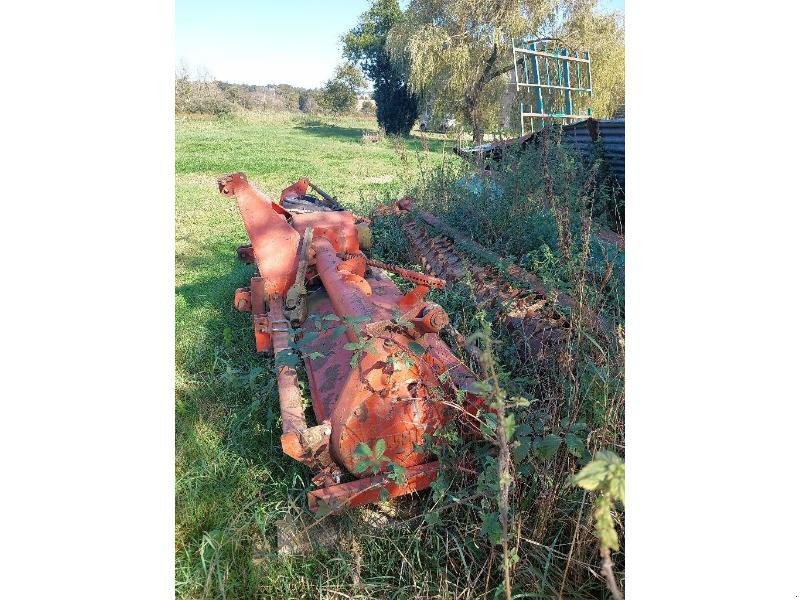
270	41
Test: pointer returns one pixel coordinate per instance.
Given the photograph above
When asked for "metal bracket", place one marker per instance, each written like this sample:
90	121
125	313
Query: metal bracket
245	254
279	326
242	300
412	276
266	326
261	322
296	310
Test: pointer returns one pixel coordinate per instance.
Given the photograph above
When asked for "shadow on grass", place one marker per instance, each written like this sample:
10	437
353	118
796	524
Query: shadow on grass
232	479
226	382
413	142
329	130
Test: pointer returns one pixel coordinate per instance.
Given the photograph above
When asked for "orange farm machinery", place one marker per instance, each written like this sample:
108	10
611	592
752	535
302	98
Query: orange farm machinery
381	379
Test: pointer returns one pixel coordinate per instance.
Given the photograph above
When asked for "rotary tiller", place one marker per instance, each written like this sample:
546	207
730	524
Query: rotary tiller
381	379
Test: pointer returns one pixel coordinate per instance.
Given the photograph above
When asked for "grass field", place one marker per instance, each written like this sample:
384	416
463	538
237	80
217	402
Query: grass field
233	484
232	481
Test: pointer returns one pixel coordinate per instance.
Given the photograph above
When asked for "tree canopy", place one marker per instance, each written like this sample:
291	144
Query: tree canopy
365	45
340	92
459	50
604	37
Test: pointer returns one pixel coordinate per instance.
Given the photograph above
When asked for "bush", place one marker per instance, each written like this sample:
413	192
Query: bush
289	95
201	97
307	102
340	93
396	109
240	96
221	97
368	108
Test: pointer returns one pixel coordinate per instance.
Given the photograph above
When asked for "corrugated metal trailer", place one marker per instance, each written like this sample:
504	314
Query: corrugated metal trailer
581	136
611	135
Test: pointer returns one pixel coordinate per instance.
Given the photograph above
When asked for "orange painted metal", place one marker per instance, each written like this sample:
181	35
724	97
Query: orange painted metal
273	239
241	300
297	190
365	491
258	309
375	369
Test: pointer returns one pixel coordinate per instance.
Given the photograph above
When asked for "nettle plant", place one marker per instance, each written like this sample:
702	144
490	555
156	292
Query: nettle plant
605	476
489	455
361	346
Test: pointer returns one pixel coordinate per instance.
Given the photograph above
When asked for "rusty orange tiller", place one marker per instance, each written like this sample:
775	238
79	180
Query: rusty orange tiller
375	362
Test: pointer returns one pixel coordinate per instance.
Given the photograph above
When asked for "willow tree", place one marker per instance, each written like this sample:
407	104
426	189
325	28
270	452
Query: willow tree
603	35
459	51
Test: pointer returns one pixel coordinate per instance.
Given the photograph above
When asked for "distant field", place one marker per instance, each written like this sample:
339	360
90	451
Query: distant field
232	481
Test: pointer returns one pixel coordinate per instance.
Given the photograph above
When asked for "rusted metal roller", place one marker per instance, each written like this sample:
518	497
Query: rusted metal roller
528	313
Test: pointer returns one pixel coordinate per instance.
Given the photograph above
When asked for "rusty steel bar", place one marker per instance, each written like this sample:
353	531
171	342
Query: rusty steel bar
412	276
529	278
365	491
330	200
527	314
291	401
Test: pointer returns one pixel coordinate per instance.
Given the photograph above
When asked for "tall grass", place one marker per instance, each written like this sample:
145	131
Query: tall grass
540	209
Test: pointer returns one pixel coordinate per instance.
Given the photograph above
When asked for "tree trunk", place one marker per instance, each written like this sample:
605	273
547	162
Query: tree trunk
472	98
471	103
